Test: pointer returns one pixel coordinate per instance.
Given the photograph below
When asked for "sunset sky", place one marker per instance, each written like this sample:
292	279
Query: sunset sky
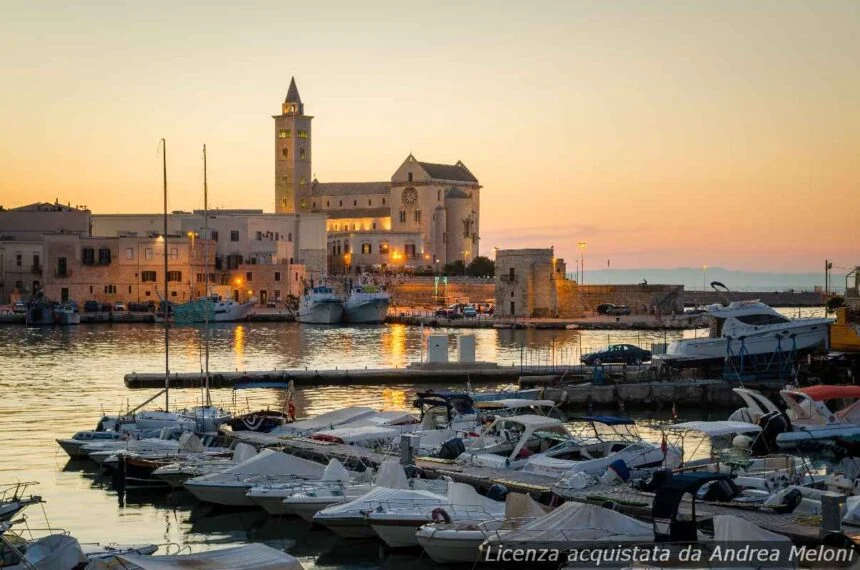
663	134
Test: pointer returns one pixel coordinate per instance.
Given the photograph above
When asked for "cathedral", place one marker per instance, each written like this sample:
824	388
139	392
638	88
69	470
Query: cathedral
426	215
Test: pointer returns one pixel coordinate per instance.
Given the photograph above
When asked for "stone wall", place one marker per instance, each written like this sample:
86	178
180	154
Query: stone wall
640	298
419	291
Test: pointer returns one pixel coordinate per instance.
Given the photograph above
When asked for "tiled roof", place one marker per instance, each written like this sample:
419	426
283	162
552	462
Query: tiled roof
349	188
457	171
341	213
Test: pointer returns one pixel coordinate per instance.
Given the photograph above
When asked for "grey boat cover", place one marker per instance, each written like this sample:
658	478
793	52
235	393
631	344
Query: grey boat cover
253	556
267	462
577	522
328	420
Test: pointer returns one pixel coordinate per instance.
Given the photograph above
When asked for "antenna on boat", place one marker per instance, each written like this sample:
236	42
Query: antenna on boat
166	296
208	300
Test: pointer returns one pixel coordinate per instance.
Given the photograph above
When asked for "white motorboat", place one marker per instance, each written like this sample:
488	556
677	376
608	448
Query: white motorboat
51	552
812	420
254	556
550	449
397	522
175	474
13	499
748	328
350	521
307	503
220	310
67	314
320	306
366	304
271	497
230	487
96	551
459	541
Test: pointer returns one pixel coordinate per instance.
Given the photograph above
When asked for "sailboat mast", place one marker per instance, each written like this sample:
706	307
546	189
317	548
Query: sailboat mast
166	295
206	279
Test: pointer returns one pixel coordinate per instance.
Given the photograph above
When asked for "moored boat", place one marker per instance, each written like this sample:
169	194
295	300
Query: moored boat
366	304
319	305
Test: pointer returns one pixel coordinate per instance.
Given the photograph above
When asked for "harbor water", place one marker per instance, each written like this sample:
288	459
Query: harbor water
55	381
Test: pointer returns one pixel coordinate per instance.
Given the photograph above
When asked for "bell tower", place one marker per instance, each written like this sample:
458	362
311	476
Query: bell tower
292	155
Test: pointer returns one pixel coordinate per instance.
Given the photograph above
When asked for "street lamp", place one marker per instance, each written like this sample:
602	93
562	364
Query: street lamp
581	245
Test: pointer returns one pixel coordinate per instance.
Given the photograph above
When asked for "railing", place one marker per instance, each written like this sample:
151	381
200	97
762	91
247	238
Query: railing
62	273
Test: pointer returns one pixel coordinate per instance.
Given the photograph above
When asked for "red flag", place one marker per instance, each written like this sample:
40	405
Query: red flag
664	446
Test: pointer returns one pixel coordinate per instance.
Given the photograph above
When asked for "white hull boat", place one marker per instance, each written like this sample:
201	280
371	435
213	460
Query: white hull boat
320	306
252	556
747	328
271	497
230	487
366	304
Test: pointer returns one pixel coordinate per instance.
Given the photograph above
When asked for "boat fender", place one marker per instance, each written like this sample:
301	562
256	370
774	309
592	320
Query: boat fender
563	398
440	515
291	411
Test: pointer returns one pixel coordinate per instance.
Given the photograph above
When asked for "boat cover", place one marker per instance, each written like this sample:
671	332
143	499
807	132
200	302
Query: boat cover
327	420
714	429
53	552
521	505
189	442
391	475
249	557
730	527
243	452
387	498
607	420
268	462
579	522
465	497
830	391
357	435
335	471
390	418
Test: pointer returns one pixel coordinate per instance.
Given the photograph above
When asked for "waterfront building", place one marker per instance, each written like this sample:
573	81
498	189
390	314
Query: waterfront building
425	215
20	269
30	222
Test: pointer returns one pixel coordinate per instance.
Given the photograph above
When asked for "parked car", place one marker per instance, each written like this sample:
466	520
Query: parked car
603	307
91	307
470	312
19	307
105	307
617	354
119	306
618	310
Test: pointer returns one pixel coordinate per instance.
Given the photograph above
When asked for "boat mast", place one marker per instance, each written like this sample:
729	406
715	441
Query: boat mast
166	295
206	279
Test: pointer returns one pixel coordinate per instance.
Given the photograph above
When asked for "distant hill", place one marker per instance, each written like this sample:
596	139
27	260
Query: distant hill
691	278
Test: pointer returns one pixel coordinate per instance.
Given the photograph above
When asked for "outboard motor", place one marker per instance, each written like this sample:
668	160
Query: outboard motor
772	424
721	491
497	492
452	449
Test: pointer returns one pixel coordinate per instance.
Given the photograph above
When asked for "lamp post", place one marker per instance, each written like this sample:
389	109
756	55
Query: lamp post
581	245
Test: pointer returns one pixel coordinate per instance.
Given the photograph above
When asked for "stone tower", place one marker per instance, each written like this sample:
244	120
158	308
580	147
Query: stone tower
292	155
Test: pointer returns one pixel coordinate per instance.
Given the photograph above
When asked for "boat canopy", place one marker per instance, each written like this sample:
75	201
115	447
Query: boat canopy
253	556
532	421
717	428
267	462
608	420
357	435
577	522
323	421
829	392
513	404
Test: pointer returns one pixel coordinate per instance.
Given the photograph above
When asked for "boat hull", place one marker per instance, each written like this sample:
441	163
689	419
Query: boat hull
232	494
800	339
321	313
449	546
397	530
347	526
370	312
802	436
306	509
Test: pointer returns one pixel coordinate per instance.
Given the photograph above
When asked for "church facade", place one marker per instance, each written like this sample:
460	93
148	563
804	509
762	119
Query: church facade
427	214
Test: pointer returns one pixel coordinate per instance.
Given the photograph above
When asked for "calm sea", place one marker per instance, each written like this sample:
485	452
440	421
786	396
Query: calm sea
55	381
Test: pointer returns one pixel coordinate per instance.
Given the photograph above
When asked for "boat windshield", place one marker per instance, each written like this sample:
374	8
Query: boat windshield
767	319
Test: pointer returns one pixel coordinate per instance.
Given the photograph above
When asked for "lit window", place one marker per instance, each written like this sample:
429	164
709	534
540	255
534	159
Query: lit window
304	202
302	153
303	134
383	247
365	248
302	182
282	134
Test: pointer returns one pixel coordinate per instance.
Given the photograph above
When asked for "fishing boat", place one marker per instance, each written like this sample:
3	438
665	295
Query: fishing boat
319	305
366	304
749	329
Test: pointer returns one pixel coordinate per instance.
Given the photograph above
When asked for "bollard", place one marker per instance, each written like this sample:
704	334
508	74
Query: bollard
831	513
